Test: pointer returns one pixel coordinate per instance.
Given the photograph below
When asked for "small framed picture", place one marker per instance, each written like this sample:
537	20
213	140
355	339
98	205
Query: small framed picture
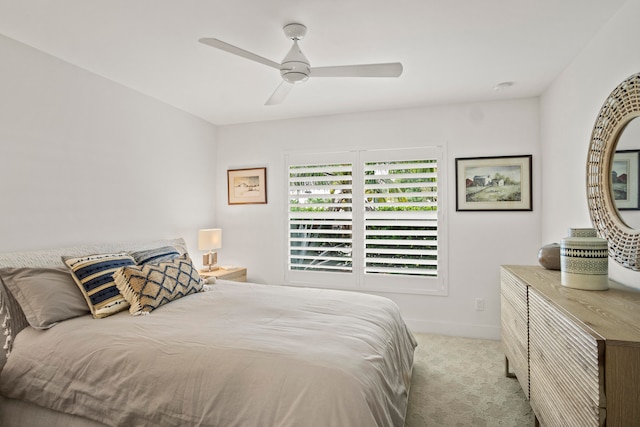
625	180
247	186
494	183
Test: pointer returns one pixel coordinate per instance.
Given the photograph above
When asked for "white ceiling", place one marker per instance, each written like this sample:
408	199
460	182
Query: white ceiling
452	51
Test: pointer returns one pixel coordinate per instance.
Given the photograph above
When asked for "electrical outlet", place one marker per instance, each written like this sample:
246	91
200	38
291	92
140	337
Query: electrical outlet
479	305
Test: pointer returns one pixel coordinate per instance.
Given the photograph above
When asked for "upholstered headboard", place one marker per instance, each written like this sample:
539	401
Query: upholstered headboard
11	315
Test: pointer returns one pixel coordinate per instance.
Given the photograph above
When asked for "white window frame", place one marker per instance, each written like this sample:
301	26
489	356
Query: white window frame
357	279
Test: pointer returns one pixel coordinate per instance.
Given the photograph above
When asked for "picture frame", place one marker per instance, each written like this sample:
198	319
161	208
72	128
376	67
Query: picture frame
247	186
625	179
494	183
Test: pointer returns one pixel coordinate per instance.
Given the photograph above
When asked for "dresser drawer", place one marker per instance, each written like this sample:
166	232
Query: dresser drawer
565	361
514	319
514	291
515	342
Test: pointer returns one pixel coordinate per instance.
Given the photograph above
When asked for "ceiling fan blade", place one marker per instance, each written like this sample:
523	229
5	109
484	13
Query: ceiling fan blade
279	94
219	44
393	69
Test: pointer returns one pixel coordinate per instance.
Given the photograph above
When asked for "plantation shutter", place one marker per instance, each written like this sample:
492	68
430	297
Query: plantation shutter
369	220
401	217
321	217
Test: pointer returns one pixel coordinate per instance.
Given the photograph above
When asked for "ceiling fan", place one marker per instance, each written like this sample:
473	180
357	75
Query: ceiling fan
295	67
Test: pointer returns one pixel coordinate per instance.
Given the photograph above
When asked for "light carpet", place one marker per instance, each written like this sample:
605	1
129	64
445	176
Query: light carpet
461	382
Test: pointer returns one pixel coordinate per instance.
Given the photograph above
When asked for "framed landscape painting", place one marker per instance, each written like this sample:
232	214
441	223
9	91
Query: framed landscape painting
494	183
247	186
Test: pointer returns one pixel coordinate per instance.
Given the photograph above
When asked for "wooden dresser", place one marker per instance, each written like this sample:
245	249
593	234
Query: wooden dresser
576	353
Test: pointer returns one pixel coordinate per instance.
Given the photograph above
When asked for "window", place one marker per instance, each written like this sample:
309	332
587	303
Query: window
369	220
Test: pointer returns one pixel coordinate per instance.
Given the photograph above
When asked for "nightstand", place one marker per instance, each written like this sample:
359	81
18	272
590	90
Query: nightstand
237	274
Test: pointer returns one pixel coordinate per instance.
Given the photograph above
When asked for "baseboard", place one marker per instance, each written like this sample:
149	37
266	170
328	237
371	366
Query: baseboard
454	329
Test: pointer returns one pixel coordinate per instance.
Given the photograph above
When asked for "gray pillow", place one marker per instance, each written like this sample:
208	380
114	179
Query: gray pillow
46	295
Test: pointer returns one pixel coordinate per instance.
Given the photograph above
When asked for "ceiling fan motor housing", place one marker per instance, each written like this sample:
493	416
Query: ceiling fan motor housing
295	67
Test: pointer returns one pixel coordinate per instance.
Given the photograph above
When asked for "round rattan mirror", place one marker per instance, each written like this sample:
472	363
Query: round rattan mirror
620	108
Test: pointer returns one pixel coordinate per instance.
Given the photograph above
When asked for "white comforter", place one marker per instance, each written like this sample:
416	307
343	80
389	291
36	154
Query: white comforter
238	355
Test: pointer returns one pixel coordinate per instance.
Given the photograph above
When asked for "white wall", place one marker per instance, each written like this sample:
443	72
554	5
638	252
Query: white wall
569	108
83	159
479	242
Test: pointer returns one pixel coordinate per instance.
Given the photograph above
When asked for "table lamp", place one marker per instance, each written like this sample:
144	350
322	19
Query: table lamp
208	240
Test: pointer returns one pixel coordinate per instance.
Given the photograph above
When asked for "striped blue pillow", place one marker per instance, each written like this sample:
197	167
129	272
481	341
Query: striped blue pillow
154	256
93	274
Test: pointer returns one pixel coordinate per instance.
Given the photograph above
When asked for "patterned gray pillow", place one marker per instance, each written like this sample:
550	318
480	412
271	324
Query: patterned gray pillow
12	321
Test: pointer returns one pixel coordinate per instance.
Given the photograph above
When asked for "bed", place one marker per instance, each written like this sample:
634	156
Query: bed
228	354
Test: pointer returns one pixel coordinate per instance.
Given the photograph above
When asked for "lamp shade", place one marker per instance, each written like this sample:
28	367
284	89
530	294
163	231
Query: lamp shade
210	238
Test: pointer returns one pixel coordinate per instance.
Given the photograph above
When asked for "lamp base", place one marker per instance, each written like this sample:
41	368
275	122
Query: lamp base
209	260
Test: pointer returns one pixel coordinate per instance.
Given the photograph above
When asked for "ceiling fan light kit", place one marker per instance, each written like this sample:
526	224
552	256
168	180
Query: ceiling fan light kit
295	67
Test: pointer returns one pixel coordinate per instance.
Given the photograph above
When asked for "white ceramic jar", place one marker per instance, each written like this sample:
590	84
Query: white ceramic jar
584	260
